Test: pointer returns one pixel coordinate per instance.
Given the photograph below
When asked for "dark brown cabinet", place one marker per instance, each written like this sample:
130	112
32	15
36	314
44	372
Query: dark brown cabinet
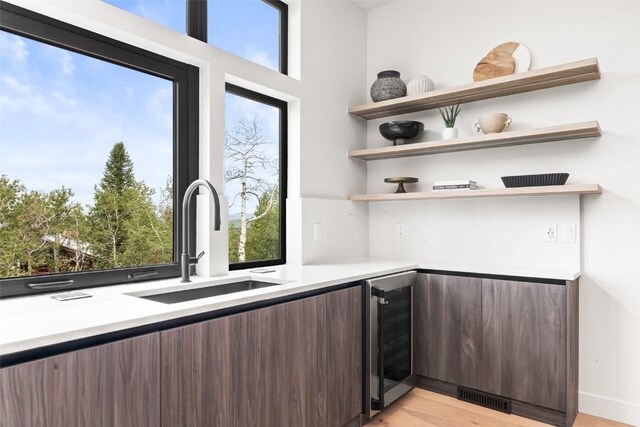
297	363
292	364
108	385
40	393
513	339
524	342
449	328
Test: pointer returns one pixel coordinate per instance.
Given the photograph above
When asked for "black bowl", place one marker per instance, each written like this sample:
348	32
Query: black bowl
535	180
401	131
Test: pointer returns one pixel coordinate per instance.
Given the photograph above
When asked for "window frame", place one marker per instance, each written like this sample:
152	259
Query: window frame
282	178
185	77
197	26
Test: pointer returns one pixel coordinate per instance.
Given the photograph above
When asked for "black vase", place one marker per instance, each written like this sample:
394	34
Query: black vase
388	86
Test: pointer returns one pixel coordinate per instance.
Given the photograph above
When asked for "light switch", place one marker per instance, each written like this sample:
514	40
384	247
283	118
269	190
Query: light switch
402	230
317	231
567	233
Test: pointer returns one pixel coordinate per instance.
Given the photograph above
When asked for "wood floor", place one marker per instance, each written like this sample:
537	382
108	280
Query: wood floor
421	408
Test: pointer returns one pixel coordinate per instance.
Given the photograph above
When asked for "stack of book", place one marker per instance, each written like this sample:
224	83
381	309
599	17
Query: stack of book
465	184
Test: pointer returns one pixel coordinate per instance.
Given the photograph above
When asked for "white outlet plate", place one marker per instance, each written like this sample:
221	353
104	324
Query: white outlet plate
567	233
401	231
550	233
317	231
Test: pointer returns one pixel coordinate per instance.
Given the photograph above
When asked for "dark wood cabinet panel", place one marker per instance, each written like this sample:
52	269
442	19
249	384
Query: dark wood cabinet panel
525	342
572	316
293	364
449	329
515	339
119	383
297	363
341	346
196	374
40	393
107	385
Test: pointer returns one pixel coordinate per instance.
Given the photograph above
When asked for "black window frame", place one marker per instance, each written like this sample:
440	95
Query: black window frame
282	178
197	26
185	77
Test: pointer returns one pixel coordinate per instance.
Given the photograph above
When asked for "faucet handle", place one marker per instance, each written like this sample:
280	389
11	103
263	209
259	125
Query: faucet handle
196	259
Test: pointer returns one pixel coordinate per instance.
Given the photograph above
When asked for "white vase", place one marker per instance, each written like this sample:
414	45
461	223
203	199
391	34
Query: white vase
449	133
420	84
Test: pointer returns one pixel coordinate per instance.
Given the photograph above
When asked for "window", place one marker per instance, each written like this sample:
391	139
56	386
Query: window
256	30
170	13
255	174
252	29
98	143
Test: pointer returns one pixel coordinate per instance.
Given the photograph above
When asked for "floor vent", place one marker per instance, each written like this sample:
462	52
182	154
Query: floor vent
484	399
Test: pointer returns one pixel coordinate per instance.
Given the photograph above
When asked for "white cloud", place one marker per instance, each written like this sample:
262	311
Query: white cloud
67	64
13	47
160	106
129	93
260	57
17	96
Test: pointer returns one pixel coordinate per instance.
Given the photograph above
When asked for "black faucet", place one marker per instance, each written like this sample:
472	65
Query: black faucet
186	259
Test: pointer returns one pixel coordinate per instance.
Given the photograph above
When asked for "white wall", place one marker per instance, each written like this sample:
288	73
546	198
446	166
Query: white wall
445	40
333	77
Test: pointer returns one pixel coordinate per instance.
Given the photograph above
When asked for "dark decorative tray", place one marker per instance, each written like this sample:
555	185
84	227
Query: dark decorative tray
535	180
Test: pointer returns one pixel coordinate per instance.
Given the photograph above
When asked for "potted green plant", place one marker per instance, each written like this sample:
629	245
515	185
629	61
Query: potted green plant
449	115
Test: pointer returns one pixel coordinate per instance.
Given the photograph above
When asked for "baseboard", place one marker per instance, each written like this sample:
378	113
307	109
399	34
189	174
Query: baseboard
612	409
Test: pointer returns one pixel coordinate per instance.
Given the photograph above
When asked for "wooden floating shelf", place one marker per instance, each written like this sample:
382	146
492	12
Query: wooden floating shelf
505	139
559	75
552	190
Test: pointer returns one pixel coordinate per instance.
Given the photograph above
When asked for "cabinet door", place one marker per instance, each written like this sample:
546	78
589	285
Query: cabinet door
40	393
119	383
340	341
524	341
449	328
297	363
114	384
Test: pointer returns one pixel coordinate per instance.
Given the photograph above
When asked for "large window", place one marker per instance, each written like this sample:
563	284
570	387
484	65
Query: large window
170	13
98	143
255	174
256	30
252	29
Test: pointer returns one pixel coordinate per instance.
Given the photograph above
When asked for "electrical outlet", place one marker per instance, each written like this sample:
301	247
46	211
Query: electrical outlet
317	231
567	233
401	231
550	233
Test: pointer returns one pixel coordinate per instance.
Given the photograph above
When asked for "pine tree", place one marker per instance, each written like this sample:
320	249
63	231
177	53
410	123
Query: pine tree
112	208
118	172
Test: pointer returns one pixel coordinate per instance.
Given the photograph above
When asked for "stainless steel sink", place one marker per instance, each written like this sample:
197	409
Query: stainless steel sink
175	295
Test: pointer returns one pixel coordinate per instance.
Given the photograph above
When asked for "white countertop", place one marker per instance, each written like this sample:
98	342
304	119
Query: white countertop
501	270
37	321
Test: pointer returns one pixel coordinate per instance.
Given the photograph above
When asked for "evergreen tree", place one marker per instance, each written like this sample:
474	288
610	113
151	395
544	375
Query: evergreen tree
118	172
127	228
112	208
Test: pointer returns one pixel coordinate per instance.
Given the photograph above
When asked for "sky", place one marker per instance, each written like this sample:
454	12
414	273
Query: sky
61	112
